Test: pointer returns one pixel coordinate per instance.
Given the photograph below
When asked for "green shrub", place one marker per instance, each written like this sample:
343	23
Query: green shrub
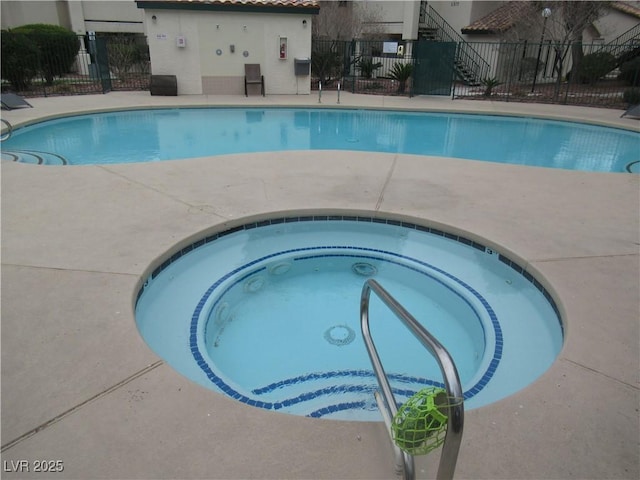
489	84
58	48
367	67
401	72
630	72
595	66
20	59
631	96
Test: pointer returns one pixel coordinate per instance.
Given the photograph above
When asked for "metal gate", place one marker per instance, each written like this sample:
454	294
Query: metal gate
99	68
434	69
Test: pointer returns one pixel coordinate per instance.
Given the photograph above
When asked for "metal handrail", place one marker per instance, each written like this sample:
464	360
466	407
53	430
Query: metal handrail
618	47
6	136
465	52
453	437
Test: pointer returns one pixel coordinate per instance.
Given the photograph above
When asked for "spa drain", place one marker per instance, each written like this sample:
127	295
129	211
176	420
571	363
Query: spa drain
339	335
364	269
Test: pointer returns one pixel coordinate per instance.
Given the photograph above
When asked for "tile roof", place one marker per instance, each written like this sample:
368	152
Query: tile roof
626	7
288	4
500	20
505	17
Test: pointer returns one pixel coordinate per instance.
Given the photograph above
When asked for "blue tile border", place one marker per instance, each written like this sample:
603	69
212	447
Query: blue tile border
216	380
199	357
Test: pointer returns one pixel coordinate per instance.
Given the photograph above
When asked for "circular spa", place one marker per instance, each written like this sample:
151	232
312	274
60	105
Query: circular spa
268	314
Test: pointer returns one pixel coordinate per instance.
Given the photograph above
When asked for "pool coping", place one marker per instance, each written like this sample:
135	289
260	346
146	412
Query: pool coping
90	420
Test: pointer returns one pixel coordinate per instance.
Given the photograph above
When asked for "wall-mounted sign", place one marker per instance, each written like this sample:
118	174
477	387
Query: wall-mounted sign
161	36
390	47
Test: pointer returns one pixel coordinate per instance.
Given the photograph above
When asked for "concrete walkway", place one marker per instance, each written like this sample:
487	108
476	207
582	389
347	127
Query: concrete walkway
80	387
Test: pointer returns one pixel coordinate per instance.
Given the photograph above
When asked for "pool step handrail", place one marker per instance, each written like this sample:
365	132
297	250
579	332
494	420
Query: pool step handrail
455	422
7	135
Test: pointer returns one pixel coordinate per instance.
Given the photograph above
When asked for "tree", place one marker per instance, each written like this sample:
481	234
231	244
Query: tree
564	26
346	20
572	19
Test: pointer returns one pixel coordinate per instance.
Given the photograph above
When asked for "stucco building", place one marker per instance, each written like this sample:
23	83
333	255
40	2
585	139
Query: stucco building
207	44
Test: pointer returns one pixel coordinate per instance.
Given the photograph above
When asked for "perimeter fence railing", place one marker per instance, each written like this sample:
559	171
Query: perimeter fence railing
537	72
35	65
546	72
543	72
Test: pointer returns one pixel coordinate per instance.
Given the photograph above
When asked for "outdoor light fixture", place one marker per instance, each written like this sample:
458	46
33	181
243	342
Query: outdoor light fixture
546	13
154	18
304	23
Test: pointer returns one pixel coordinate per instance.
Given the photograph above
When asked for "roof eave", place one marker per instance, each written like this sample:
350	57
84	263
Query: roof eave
227	7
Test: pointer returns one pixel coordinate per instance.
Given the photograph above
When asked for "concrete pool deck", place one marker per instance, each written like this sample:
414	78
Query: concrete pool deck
81	387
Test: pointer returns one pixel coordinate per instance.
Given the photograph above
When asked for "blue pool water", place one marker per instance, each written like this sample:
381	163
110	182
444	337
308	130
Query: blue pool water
268	314
166	134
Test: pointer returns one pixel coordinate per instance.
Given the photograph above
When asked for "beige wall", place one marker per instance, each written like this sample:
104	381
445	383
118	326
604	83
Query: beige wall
18	12
461	13
121	16
207	65
398	17
79	16
613	24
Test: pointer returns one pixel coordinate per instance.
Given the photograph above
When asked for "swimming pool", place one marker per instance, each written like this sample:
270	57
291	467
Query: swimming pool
267	313
166	134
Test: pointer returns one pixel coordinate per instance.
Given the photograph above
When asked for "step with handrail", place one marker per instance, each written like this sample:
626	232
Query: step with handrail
385	398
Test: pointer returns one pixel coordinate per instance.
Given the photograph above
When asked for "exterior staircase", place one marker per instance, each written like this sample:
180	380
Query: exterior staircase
469	65
625	47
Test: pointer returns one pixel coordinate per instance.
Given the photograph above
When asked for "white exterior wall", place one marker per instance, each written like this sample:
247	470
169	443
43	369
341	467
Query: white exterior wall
169	59
456	14
207	64
79	16
15	13
411	19
613	24
399	17
389	13
117	16
459	14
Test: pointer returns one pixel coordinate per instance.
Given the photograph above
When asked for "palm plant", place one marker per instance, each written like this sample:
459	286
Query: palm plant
401	72
489	84
367	67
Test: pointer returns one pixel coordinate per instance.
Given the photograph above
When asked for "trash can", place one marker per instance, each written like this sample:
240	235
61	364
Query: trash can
302	66
164	85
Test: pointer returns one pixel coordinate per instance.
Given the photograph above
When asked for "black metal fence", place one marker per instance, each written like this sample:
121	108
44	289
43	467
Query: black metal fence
607	75
99	64
360	66
546	72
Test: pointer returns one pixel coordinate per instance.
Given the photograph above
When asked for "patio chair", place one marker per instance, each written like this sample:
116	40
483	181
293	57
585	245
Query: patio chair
252	76
633	111
11	101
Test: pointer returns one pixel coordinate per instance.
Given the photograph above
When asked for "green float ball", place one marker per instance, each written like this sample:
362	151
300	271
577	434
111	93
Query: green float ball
420	424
